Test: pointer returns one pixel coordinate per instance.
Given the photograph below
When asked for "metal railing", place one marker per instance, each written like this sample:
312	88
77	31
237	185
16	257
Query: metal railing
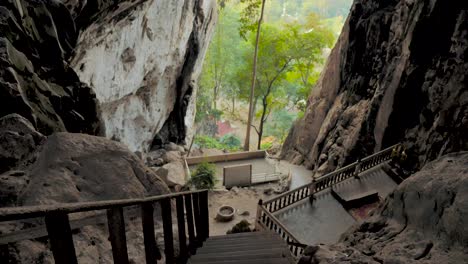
266	219
191	211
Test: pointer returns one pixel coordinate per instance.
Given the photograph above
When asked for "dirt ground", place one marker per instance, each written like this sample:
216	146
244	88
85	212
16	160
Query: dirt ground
242	199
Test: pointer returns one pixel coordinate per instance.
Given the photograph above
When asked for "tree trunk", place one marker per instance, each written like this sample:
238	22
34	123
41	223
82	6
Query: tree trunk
254	77
262	121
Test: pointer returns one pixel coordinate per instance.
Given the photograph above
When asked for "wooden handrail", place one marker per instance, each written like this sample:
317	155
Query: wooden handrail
24	212
192	207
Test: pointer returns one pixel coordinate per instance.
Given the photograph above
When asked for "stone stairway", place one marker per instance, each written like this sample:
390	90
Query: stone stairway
243	248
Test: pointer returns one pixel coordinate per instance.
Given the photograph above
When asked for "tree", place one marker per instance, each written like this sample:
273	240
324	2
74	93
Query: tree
273	62
254	72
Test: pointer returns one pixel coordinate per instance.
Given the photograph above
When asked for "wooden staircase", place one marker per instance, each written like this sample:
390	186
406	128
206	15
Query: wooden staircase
243	248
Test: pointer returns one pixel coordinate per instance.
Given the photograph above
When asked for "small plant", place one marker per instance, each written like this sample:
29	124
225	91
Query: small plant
231	141
204	176
241	227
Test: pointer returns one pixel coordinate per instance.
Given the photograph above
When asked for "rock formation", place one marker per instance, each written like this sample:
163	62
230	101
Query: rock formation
77	168
423	221
142	59
36	40
396	74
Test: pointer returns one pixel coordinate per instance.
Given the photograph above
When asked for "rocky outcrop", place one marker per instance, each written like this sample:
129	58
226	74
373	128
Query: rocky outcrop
18	142
142	59
396	74
36	40
423	221
77	168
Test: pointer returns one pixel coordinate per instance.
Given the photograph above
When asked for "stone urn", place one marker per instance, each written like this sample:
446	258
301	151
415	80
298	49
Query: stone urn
225	213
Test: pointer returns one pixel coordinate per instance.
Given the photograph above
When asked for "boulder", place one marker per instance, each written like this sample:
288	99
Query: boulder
18	141
78	168
172	156
423	221
172	173
12	184
174	147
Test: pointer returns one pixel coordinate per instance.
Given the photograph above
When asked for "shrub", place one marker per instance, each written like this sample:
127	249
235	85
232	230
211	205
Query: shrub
231	141
241	227
207	142
204	176
266	145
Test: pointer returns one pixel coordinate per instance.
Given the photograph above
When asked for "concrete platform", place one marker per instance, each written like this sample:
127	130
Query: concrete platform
327	219
322	222
371	181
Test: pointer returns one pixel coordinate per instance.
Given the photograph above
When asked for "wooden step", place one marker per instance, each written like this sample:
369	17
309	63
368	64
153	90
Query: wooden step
253	260
241	255
247	245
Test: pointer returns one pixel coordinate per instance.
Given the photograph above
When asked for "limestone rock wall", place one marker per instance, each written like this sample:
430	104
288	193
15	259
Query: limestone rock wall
396	74
36	40
142	59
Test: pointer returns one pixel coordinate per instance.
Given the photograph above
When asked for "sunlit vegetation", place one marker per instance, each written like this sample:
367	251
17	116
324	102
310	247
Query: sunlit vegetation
295	39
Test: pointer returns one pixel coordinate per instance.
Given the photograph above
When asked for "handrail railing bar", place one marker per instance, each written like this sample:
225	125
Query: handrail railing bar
17	213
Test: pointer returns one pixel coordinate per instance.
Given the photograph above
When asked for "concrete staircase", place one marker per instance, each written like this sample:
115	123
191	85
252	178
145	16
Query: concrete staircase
244	248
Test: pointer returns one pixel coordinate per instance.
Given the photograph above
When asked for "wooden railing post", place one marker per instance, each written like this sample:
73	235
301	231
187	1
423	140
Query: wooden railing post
183	253
190	224
61	239
196	214
258	217
167	229
204	214
116	224
152	252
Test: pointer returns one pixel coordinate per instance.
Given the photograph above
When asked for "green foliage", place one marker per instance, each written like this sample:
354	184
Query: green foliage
249	17
207	142
279	124
266	145
228	142
241	227
204	176
295	38
231	141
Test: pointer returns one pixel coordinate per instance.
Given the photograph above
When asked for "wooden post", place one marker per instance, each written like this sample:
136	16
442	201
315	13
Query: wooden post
116	224
259	215
152	252
167	229
196	213
204	212
190	225
60	237
183	255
